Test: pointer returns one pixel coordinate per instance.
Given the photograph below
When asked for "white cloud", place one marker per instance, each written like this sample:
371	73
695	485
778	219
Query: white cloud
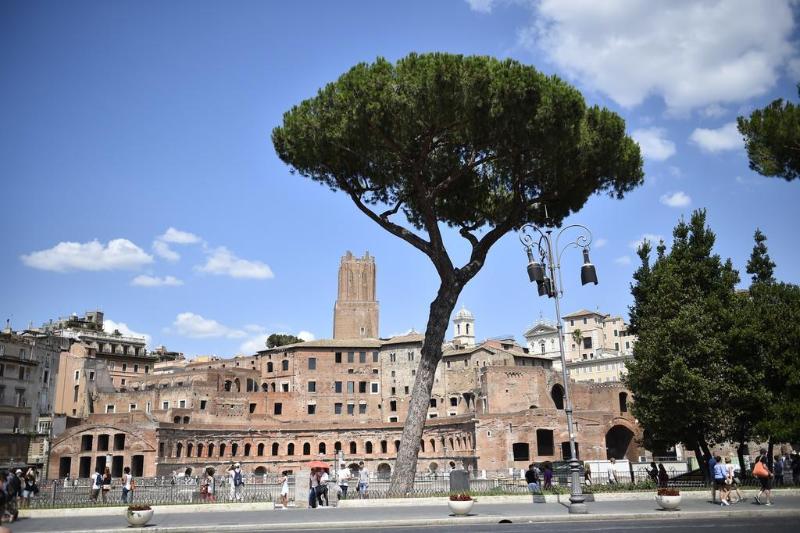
223	263
163	250
724	138
675	199
599	243
154	281
714	111
623	260
481	6
305	335
179	237
197	327
675	172
692	54
654	143
654	239
119	254
109	326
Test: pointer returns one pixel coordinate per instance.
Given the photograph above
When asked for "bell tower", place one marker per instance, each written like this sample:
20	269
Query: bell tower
355	315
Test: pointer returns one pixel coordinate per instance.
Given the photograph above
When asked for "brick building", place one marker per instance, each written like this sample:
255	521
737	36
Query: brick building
495	405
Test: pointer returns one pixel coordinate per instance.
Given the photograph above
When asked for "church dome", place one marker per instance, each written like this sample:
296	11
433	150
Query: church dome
464	314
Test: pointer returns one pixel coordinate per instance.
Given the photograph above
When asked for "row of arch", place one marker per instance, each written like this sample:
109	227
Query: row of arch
225	449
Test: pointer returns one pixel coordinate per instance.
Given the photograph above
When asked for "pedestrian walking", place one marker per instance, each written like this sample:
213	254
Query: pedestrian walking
732	480
322	487
285	489
653	472
363	480
548	476
587	474
313	482
97	485
612	472
663	477
106	483
532	478
712	462
344	476
762	472
777	468
29	487
720	474
207	485
236	479
127	485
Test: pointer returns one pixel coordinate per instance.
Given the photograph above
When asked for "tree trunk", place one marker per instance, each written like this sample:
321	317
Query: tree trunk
770	446
406	462
707	475
740	454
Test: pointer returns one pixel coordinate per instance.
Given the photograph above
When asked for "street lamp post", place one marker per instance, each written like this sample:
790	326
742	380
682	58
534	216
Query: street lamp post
546	272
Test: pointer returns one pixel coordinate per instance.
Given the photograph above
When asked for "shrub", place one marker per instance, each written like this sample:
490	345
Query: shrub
669	492
460	497
132	508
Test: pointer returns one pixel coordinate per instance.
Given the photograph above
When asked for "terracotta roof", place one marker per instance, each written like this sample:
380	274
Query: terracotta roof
583	312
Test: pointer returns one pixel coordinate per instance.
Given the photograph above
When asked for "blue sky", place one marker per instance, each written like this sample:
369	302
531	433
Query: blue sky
140	133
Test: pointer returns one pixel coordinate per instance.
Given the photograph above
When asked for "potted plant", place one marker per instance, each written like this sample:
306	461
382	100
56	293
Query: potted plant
139	515
669	499
461	503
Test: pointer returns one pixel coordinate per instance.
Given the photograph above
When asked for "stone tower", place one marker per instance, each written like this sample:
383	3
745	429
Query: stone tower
464	328
355	315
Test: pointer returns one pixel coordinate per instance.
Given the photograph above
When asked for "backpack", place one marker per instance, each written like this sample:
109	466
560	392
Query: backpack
237	479
98	480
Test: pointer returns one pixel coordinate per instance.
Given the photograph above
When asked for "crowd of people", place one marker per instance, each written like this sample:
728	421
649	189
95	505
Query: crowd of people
16	491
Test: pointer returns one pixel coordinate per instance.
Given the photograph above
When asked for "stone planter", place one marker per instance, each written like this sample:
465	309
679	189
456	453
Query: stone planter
139	518
460	508
669	503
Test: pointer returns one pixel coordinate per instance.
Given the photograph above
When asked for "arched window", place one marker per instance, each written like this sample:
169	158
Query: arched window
368	447
189	449
384	447
260	449
290	449
285	364
185	419
422	446
273	386
211	449
199	450
274	448
306	448
222	450
433	445
228	384
260	471
452	446
247	450
623	402
557	393
467	328
322	447
265	387
269	367
353	447
397	446
337	446
234	449
177	420
178	449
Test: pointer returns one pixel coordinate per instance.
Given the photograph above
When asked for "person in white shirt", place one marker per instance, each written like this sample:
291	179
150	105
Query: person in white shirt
236	481
363	480
285	490
127	490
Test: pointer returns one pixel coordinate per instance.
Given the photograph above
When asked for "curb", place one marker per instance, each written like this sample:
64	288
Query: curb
467	520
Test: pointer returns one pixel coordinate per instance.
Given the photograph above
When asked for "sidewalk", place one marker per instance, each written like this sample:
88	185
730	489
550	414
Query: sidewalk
234	517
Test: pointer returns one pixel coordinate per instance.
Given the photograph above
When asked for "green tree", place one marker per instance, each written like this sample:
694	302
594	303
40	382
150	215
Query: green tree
473	143
772	139
282	339
679	376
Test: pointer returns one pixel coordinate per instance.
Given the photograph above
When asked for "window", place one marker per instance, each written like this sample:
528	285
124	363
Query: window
410	356
123	382
182	404
544	442
392	357
285	364
362	408
86	443
448	364
337	386
77	375
136	368
132	407
203	404
571	322
110	408
374	357
146	369
337	408
290	449
587	342
627	345
584	321
284	386
312	408
394	391
270	367
374	387
433	402
337	357
165	405
362	387
306	448
616	346
312	363
91	375
353	448
278	408
405	389
362	357
615	333
368	447
312	386
351	408
124	367
102	443
384	446
351	387
274	448
393	373
393	405
453	402
351	357
623	402
521	451
392	419
252	408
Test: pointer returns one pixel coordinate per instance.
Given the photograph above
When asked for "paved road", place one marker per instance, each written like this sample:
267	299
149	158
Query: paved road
485	517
